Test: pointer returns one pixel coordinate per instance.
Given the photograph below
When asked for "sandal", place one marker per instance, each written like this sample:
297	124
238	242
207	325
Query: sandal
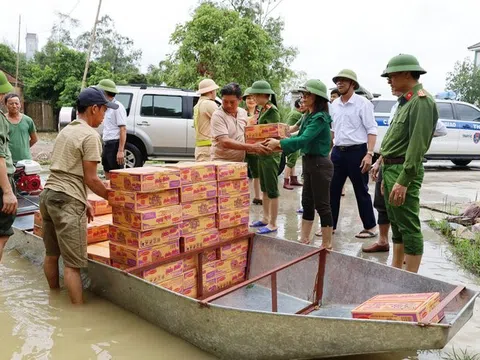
369	234
319	233
265	230
257	202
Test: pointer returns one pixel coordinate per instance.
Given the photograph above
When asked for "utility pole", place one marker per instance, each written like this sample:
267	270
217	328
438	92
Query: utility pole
18	49
92	40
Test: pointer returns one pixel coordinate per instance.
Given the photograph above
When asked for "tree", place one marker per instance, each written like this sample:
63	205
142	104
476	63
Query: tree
465	81
8	59
61	30
226	45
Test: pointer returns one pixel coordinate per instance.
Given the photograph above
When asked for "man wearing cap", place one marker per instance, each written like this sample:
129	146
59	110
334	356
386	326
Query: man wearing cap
407	140
63	203
354	131
114	131
8	200
202	114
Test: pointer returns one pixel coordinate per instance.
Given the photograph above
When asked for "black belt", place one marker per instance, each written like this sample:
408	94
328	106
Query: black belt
351	147
111	142
311	156
394	161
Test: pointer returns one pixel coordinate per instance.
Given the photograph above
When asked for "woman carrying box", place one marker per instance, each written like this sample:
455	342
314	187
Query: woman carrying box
252	159
314	141
269	164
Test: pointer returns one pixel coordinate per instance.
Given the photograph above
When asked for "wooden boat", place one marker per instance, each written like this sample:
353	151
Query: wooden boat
296	304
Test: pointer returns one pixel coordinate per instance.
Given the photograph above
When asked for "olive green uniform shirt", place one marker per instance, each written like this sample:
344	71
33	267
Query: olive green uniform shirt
4	139
410	132
293	117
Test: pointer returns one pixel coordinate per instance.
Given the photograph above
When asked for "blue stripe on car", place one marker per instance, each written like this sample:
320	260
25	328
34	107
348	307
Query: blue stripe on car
450	124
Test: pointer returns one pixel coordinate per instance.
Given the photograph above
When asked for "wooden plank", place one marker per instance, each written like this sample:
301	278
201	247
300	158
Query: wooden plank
428	319
274	292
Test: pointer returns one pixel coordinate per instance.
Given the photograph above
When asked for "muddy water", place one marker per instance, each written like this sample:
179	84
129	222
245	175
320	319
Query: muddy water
38	324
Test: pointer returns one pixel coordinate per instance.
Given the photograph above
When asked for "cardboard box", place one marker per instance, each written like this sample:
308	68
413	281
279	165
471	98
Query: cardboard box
147	219
195	172
231	218
196	209
229	279
145	179
37	218
107	184
202	223
233	250
265	131
236	263
144	239
134	257
210	286
175	284
208	256
144	201
190	278
233	232
226	203
231	170
199	240
98	229
233	187
198	191
164	272
399	307
189	262
100	205
118	265
99	252
38	231
190	291
209	271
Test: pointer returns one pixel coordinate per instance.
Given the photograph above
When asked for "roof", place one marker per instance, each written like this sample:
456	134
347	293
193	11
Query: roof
11	78
474	47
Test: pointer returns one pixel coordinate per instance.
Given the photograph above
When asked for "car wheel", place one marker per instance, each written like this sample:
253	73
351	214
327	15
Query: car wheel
133	156
461	162
283	162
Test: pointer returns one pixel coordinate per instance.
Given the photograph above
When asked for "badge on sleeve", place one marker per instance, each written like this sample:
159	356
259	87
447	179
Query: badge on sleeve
421	93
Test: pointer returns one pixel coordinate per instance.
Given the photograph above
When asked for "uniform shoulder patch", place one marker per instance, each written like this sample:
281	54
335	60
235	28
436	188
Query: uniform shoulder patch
408	95
421	93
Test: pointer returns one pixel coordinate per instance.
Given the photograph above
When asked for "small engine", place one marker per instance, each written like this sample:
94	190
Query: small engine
27	176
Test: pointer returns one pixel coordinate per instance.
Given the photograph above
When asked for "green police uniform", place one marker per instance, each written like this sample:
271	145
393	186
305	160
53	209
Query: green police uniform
403	148
292	119
6	220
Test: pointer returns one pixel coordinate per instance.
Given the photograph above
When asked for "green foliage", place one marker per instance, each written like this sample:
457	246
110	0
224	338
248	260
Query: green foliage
465	81
8	59
460	355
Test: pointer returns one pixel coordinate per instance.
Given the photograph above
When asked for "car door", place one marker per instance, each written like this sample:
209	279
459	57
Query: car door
191	101
448	144
469	124
162	120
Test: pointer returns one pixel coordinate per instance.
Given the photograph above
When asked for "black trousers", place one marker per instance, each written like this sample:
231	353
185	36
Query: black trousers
109	155
379	202
317	177
347	165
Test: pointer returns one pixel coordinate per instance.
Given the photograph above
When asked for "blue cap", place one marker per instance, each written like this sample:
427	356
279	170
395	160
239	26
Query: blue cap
94	96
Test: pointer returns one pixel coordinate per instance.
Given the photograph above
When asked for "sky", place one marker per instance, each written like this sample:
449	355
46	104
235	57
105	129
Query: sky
330	36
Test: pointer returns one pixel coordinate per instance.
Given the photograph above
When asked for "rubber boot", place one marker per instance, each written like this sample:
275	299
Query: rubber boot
306	230
294	181
286	184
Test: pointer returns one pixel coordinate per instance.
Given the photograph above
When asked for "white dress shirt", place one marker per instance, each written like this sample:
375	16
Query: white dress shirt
353	121
113	120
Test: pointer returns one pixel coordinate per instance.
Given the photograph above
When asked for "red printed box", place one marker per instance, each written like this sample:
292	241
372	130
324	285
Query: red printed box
233	232
99	252
231	170
196	209
143	201
199	240
175	284
202	223
226	203
144	239
195	172
100	205
265	131
145	179
97	230
190	292
233	250
118	265
147	219
164	272
37	218
233	187
190	278
134	257
231	218
198	191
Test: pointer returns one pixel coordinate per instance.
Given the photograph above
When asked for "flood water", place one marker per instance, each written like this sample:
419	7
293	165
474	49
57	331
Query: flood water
38	324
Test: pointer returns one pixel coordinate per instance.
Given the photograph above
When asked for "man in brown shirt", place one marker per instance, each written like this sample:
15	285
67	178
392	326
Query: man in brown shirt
228	128
63	203
202	113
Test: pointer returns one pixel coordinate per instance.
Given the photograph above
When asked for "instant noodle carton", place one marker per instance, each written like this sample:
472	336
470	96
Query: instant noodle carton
198	191
399	307
99	252
232	264
37	218
190	278
145	179
209	286
209	271
231	218
143	201
189	262
199	240
100	205
233	250
134	257
190	291
196	209
233	232
231	278
195	172
38	231
144	239
98	229
226	203
164	272
118	265
233	187
266	131
208	256
147	219
231	170
175	284
195	225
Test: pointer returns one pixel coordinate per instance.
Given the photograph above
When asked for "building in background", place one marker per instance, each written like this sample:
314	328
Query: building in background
32	45
476	49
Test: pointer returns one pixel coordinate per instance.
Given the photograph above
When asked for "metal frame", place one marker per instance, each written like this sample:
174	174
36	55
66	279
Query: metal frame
447	300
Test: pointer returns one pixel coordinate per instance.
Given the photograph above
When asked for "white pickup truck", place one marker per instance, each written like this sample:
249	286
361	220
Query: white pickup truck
461	145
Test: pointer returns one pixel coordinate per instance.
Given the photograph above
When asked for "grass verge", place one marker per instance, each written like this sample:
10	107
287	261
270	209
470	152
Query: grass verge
460	355
466	251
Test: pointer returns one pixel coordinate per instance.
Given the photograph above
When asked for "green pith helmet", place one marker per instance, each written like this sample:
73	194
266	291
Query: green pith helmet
5	86
347	74
108	85
315	87
247	92
261	87
403	62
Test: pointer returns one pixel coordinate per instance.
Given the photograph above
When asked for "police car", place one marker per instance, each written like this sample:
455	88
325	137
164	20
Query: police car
461	145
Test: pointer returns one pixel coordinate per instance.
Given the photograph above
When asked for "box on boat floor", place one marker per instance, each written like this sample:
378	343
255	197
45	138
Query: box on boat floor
226	203
143	201
230	278
37	218
99	252
175	284
233	187
232	218
233	232
38	231
147	219
164	272
199	240
118	265
198	191
144	239
134	257
100	205
399	307
199	224
190	278
196	209
149	178
233	250
193	172
232	264
190	291
97	230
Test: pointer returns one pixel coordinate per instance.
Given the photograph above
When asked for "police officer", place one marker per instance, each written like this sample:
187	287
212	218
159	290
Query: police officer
403	148
202	114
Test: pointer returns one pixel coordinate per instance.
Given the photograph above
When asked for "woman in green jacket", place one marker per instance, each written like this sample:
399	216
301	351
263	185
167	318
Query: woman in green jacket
314	141
269	164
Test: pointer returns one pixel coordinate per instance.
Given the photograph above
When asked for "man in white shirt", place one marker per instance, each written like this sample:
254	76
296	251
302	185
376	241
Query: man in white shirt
114	131
354	133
